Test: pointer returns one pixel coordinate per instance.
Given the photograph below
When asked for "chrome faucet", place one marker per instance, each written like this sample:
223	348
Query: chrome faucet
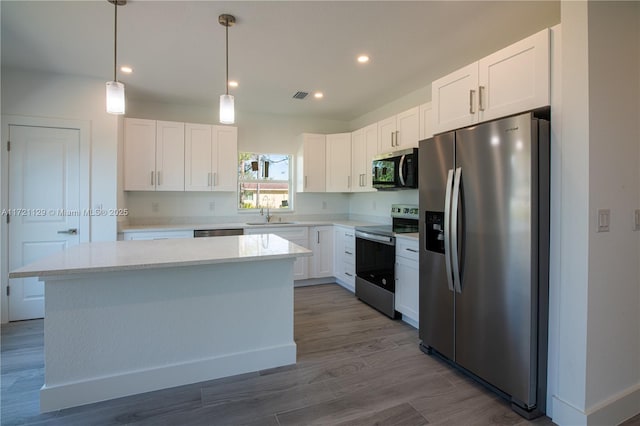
266	201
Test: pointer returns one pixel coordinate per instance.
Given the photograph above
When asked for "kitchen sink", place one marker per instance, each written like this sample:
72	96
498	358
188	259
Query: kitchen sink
270	223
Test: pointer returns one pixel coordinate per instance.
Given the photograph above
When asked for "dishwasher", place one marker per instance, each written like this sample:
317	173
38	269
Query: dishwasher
198	233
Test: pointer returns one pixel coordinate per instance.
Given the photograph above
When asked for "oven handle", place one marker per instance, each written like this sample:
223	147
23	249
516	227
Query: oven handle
390	241
447	230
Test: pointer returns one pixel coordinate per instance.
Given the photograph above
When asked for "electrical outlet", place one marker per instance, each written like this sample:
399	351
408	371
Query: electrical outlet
636	220
155	207
604	220
212	205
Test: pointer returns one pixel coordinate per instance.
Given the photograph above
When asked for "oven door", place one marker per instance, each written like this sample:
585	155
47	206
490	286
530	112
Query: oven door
375	259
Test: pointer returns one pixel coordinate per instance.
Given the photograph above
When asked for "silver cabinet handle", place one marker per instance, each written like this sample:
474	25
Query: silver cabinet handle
471	94
481	91
348	274
306	181
454	230
70	231
348	235
348	252
158	178
349	181
318	236
214	179
393	143
447	228
411	250
397	137
152	178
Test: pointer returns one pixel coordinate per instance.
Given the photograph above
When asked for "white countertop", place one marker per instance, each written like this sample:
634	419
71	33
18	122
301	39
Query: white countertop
200	226
409	236
149	254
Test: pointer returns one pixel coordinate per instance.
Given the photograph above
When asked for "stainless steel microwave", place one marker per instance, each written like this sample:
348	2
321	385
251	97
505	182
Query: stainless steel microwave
396	170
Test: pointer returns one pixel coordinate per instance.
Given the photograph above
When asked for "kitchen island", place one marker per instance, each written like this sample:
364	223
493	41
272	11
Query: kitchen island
127	317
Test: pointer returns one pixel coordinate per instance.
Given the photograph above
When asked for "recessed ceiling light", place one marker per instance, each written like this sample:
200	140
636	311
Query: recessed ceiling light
318	95
233	83
363	59
126	69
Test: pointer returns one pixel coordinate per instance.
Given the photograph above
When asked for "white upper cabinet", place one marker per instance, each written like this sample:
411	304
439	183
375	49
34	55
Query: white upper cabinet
426	121
516	78
453	99
310	163
153	155
399	132
364	146
224	164
169	156
512	80
338	165
210	157
139	154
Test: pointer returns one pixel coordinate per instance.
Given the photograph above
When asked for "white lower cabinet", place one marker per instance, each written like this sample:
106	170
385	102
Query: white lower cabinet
321	243
157	235
298	235
407	280
344	257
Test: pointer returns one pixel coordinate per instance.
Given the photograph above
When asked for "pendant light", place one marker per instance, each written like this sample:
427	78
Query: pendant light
227	113
115	89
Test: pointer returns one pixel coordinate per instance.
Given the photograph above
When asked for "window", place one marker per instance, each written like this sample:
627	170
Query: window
264	180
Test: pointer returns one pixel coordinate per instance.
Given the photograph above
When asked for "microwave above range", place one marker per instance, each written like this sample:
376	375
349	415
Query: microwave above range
395	170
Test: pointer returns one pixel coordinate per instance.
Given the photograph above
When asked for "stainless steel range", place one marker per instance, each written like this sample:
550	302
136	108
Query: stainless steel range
376	258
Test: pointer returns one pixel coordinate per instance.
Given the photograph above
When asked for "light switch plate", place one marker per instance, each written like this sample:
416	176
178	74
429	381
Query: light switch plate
604	219
636	220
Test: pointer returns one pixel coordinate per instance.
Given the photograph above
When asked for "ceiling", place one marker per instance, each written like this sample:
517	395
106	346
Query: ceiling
275	49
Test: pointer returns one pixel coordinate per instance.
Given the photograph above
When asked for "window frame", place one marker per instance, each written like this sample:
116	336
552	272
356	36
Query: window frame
258	181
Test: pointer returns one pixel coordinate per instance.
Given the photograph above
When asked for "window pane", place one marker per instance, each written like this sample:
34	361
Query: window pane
274	166
248	166
264	180
274	195
248	195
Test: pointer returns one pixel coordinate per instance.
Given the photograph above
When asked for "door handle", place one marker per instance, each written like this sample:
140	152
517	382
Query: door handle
70	231
447	228
454	231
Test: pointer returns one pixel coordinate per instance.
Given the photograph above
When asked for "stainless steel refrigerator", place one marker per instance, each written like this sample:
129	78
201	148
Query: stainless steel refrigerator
484	237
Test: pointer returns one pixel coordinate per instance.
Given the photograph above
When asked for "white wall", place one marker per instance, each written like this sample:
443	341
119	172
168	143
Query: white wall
74	98
598	354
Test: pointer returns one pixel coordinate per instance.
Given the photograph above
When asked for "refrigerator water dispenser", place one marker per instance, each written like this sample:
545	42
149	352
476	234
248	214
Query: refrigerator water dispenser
434	231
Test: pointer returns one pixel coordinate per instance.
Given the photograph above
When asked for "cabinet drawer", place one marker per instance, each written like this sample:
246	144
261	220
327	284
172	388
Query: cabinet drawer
407	248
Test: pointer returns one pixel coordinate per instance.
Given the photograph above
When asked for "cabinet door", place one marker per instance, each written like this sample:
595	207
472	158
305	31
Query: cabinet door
338	162
408	129
139	154
321	241
311	163
225	158
364	146
198	153
169	156
387	135
426	121
516	78
407	278
454	99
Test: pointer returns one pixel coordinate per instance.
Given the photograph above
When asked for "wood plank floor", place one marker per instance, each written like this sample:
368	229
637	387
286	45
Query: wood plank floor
355	367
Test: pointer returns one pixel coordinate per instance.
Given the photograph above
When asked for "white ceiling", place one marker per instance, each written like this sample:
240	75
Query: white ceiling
275	49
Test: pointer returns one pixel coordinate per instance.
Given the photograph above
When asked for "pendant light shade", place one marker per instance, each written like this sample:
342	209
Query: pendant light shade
115	97
115	89
227	109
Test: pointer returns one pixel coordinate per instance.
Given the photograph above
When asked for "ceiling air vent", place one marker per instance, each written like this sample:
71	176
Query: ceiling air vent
300	95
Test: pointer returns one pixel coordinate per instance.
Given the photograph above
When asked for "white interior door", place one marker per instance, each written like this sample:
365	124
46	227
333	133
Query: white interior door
44	206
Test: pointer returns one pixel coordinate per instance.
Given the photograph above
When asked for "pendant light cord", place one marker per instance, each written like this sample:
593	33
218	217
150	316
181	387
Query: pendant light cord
227	54
115	41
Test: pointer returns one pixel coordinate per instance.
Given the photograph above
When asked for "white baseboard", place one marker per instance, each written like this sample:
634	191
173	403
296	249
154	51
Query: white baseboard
612	411
103	388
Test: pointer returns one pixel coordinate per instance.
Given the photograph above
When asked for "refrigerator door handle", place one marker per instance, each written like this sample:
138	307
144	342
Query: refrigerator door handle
447	228
401	170
454	231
